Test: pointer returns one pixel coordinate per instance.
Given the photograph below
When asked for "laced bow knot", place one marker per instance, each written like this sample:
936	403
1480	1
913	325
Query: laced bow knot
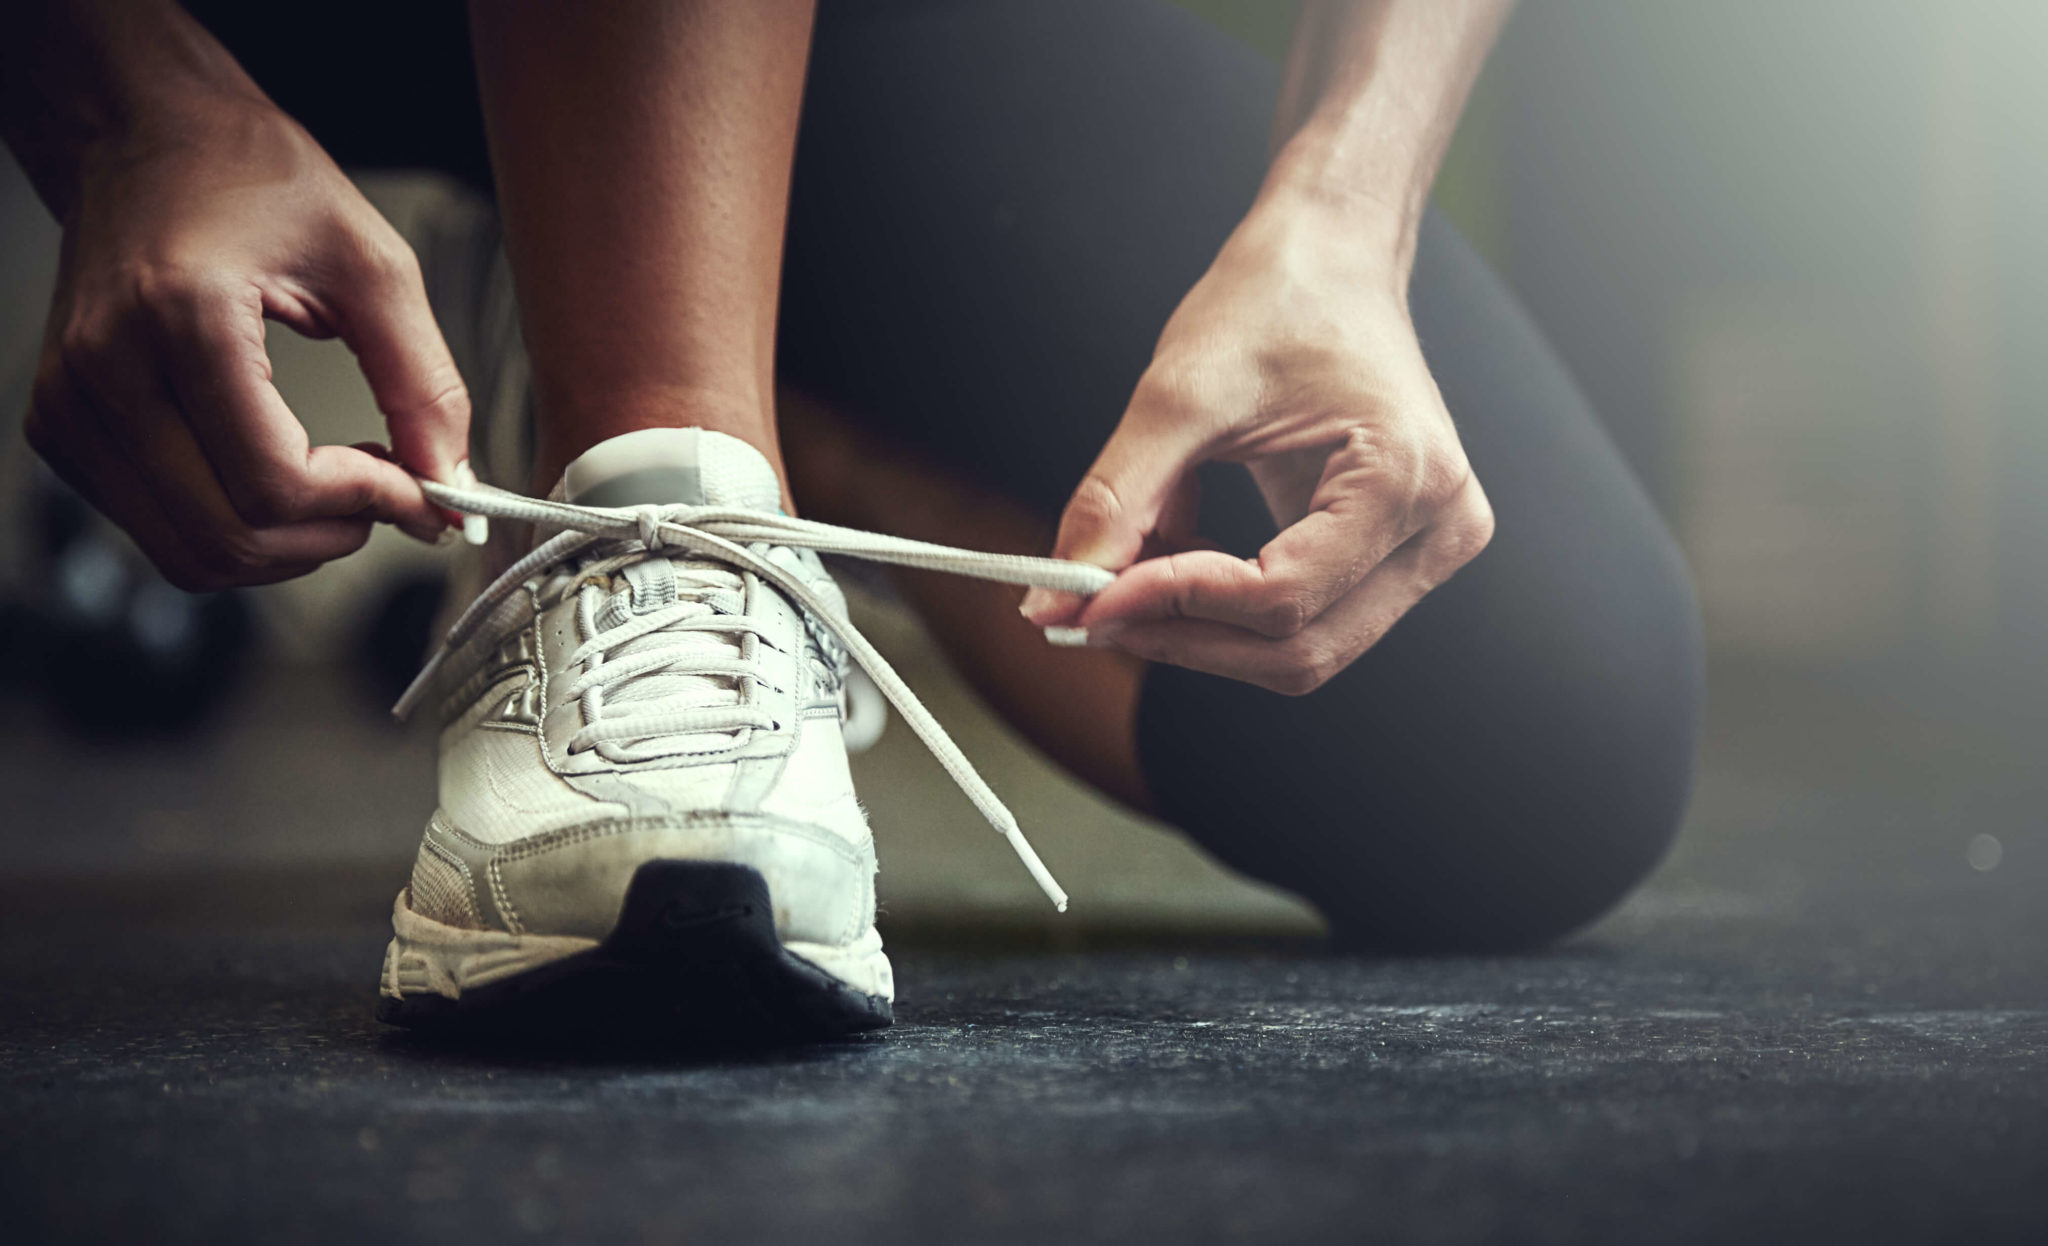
651	520
737	537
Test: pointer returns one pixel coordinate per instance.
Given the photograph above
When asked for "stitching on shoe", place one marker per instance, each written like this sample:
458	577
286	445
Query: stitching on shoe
570	836
500	902
503	897
490	769
547	696
447	826
461	867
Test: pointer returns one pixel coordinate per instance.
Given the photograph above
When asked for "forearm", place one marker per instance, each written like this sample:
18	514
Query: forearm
642	154
78	77
1372	95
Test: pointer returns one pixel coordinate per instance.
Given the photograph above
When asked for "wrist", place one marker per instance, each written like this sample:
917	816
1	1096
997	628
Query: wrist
1362	206
95	85
170	118
1328	239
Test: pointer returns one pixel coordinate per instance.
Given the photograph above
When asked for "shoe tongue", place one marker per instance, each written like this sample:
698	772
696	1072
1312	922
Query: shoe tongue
663	466
690	466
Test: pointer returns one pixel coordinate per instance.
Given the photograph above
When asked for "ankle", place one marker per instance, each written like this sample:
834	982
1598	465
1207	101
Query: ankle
568	426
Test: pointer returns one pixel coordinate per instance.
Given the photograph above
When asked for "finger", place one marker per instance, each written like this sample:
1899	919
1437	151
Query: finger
220	383
128	496
383	314
113	488
1367	504
1176	534
1303	662
1180	515
137	423
1137	479
1300	663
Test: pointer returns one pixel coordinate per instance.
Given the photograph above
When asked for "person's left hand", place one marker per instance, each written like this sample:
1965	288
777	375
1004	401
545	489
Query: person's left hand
1296	356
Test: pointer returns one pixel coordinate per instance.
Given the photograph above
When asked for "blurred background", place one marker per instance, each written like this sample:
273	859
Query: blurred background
1794	252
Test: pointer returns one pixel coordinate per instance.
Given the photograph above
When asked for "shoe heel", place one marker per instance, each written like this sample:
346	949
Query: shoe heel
694	955
695	914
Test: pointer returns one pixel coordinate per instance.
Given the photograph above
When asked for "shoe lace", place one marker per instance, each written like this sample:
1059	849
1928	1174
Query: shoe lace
666	681
644	650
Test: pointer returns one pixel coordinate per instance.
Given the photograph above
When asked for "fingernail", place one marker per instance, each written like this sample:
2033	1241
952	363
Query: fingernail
1035	603
476	529
1102	635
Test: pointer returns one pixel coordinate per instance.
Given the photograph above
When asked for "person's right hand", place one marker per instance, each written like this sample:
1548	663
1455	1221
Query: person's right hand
153	396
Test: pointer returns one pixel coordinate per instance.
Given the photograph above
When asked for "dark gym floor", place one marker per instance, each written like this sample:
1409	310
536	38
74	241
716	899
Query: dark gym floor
1825	1020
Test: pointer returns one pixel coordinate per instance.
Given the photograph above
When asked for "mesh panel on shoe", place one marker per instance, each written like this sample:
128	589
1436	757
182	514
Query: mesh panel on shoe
441	891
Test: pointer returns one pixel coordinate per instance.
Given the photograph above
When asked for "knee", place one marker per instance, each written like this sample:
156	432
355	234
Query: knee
1514	854
1500	868
1553	815
1492	803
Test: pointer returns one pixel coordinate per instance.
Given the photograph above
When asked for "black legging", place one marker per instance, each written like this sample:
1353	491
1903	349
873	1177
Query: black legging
996	207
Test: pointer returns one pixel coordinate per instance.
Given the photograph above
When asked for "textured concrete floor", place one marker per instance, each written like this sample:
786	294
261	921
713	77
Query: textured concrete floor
1820	1022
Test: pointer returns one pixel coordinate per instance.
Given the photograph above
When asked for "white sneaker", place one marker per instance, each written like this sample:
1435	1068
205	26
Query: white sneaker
645	801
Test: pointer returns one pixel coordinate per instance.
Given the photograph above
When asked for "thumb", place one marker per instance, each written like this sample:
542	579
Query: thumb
388	323
1136	480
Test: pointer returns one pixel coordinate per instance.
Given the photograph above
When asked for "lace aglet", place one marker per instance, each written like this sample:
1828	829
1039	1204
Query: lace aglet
476	529
1039	874
414	692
